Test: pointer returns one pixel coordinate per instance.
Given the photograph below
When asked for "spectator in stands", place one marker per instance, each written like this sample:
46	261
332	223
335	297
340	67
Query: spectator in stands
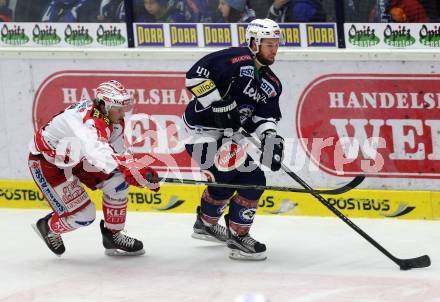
261	7
437	12
357	11
111	11
197	9
24	12
67	11
173	11
399	11
431	8
236	11
153	11
5	11
214	12
297	11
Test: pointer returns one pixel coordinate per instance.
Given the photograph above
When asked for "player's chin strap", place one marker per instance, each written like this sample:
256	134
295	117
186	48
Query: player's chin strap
256	59
404	264
254	55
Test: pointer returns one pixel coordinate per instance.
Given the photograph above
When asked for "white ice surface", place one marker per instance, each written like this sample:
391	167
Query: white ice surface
309	259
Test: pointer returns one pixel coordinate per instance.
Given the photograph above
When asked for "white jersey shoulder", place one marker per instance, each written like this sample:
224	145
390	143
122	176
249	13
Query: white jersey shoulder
80	132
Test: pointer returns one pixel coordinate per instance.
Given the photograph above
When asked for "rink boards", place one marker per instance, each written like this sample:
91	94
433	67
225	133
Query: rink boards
372	113
185	198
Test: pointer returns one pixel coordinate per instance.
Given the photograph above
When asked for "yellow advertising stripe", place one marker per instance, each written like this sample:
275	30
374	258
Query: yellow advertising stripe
435	202
21	194
171	198
356	203
185	198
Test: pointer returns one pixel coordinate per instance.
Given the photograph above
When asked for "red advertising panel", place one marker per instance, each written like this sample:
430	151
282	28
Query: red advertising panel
377	124
154	126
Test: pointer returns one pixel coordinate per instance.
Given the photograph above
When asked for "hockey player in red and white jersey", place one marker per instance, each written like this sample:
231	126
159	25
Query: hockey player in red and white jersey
84	144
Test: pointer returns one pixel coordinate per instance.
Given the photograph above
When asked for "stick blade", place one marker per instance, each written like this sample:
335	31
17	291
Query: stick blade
419	262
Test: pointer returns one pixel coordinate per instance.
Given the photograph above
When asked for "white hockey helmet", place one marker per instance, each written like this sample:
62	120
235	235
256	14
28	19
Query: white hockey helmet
114	94
263	28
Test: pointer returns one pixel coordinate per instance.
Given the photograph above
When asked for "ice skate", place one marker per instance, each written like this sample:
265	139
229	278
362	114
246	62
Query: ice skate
120	244
53	241
244	247
213	233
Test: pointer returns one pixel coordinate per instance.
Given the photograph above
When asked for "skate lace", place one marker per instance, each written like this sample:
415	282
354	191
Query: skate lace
249	240
122	239
218	229
55	240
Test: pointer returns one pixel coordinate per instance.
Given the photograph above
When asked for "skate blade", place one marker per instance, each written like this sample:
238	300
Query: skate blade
206	237
117	253
34	226
243	256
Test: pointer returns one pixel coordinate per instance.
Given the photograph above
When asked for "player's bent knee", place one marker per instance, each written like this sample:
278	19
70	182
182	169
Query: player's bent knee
115	188
220	194
85	217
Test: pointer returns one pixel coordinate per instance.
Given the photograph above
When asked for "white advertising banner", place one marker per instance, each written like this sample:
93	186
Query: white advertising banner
341	118
96	35
392	35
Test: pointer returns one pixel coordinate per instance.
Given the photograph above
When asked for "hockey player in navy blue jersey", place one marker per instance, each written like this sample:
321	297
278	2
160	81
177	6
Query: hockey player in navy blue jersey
235	88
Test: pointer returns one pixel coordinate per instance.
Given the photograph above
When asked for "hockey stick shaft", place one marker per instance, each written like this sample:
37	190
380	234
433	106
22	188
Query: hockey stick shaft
404	264
351	185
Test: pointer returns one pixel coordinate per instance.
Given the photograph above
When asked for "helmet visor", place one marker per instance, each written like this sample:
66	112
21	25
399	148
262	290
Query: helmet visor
128	105
125	105
278	34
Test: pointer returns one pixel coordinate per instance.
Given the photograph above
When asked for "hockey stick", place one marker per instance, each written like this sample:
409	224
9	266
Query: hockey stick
404	264
351	185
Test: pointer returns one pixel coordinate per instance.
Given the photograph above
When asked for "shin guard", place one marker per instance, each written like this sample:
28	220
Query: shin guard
241	214
211	208
115	212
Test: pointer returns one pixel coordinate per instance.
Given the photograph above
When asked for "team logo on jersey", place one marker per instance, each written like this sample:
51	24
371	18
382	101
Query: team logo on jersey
247	71
245	112
253	93
268	88
230	156
203	88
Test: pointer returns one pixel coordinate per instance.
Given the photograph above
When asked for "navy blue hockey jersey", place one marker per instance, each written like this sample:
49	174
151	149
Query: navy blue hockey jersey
231	73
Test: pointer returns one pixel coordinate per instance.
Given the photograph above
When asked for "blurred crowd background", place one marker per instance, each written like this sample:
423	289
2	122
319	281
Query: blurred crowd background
233	11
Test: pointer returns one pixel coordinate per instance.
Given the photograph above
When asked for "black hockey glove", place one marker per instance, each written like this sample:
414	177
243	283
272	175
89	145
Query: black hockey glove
226	114
272	147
